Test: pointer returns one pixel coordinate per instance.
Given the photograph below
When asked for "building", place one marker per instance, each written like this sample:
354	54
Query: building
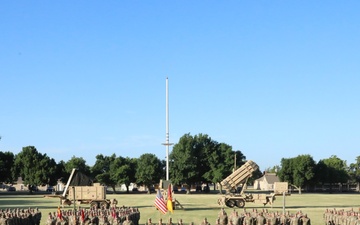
266	182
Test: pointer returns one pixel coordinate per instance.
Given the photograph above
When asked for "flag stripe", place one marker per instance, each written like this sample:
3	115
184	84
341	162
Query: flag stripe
160	203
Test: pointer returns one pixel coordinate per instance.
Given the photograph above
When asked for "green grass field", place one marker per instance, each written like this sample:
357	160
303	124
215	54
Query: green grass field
198	206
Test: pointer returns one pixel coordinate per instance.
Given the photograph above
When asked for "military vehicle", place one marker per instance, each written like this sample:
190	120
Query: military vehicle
80	189
238	180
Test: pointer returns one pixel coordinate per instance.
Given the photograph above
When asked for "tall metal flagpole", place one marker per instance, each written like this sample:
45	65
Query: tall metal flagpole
167	144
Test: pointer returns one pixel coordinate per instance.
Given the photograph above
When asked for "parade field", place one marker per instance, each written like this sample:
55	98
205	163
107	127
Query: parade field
198	206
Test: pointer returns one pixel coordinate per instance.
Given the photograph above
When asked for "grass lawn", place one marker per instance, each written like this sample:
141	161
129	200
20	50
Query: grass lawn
198	206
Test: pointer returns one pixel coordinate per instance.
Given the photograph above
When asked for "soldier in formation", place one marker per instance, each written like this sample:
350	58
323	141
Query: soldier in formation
180	222
342	217
95	216
263	217
149	222
20	216
205	222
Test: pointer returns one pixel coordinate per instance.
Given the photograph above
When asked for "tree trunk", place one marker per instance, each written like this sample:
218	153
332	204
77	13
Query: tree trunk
298	188
30	189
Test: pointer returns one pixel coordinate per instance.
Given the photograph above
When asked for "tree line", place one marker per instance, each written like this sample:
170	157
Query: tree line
195	159
304	173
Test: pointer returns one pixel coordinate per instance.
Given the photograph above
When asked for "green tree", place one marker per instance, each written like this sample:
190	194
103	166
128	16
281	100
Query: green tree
354	172
184	159
286	167
6	163
150	170
273	169
298	171
60	173
34	168
222	162
321	173
304	170
123	171
336	171
102	170
102	164
196	159
77	163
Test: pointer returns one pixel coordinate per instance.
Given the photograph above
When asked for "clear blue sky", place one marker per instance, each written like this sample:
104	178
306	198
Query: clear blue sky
274	79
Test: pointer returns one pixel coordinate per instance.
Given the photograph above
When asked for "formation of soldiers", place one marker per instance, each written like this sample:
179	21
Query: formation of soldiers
95	216
30	216
250	218
131	216
341	217
256	217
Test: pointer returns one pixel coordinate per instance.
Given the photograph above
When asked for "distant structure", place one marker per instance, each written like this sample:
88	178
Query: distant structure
266	182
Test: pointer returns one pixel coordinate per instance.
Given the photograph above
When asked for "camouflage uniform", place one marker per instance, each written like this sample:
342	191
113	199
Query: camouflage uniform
247	219
149	222
205	222
272	219
260	219
223	218
305	220
128	221
2	220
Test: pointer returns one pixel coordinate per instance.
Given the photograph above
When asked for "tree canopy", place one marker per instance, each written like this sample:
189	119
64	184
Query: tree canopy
195	159
34	168
298	171
77	163
200	159
333	170
354	172
150	170
6	163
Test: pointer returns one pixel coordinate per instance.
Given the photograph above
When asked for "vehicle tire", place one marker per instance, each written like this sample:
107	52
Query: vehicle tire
230	203
240	203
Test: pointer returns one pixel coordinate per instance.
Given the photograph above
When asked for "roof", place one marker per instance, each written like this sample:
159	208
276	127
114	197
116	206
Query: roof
270	178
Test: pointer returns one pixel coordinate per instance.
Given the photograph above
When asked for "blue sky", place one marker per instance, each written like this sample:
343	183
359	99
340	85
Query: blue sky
273	79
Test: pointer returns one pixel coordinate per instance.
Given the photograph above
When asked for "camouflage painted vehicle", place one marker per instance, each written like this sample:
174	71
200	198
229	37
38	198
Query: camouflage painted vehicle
238	179
80	189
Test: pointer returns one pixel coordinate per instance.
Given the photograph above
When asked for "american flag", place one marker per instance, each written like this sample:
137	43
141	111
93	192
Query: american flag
160	203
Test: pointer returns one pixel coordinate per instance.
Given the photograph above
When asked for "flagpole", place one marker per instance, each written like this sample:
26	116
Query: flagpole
167	144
